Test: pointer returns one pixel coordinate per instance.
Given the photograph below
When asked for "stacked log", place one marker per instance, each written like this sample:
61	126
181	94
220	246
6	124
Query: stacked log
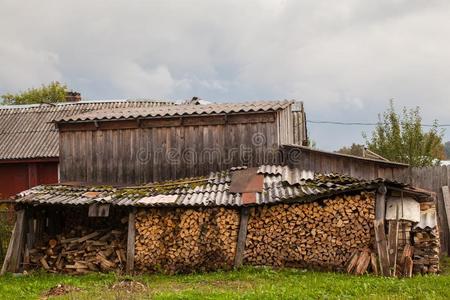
185	240
426	250
80	251
427	242
322	234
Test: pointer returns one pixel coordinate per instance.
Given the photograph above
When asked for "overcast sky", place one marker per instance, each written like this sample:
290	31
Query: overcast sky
345	59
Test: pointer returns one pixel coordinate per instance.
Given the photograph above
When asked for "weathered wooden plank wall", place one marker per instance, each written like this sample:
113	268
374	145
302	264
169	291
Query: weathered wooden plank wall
142	155
327	162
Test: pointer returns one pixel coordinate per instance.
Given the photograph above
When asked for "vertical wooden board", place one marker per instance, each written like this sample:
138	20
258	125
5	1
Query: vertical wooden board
199	164
393	245
133	157
62	154
122	154
72	161
143	157
446	212
18	243
242	236
89	157
157	154
180	149
440	180
381	243
131	239
380	204
9	252
99	140
94	150
173	151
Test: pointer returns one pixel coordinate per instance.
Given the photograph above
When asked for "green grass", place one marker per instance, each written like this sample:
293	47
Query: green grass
248	283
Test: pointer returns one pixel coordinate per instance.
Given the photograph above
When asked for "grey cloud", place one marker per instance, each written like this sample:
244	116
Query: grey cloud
344	59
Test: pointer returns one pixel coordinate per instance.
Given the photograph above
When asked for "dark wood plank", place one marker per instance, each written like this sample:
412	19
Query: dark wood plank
382	249
18	242
380	205
242	236
131	241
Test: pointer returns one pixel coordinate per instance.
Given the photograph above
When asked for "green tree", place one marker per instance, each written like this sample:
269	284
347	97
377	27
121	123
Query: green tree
401	138
53	92
354	149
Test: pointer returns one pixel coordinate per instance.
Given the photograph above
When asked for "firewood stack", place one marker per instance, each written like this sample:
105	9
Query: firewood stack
314	234
426	250
79	251
185	240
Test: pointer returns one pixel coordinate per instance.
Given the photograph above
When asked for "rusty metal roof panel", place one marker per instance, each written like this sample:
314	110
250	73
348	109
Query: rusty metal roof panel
27	131
178	110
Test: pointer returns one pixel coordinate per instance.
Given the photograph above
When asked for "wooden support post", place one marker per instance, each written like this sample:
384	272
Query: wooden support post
131	241
380	208
380	237
15	247
240	247
446	198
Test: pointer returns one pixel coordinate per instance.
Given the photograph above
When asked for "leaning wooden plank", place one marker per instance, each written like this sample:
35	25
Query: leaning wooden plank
19	239
131	241
352	262
363	262
242	236
9	251
380	238
446	198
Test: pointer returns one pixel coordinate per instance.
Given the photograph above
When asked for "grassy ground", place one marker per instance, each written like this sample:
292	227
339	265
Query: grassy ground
249	283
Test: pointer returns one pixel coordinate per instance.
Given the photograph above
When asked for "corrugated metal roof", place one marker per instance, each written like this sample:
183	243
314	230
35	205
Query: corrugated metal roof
203	191
427	219
26	131
178	110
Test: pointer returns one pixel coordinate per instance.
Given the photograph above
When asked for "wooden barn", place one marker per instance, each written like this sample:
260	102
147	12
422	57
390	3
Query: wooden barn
135	146
29	144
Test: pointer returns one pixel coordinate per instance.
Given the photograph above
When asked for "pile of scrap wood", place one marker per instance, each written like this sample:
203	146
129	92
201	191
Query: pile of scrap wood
362	262
185	240
80	251
394	259
322	235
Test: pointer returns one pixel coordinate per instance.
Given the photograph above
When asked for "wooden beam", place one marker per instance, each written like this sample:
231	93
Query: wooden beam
446	216
380	238
240	247
131	241
380	208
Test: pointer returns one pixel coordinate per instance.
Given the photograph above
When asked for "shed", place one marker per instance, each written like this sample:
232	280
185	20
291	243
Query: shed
267	215
135	146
